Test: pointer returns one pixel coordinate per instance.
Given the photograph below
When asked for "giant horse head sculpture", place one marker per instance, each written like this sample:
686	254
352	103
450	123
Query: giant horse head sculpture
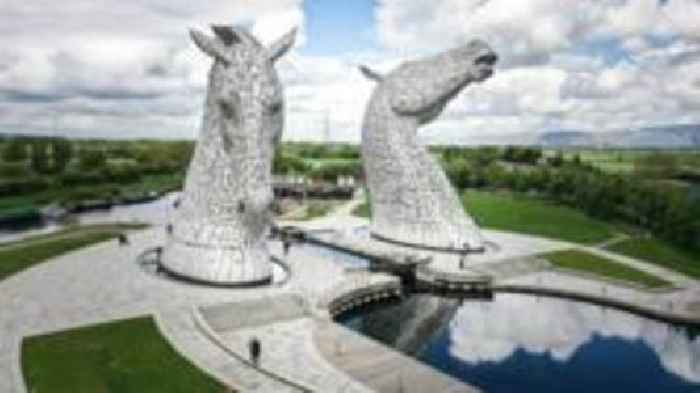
218	231
412	199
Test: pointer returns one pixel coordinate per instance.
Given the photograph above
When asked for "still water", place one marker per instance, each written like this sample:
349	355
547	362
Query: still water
153	212
519	343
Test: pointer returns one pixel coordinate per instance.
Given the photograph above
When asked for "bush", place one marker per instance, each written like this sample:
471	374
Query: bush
80	178
122	173
15	150
23	186
50	155
557	160
330	172
523	155
13	170
91	159
285	163
657	165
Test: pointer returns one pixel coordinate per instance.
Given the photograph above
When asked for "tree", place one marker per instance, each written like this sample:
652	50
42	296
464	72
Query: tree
285	163
39	159
509	153
557	160
657	165
62	154
15	150
91	159
50	156
576	159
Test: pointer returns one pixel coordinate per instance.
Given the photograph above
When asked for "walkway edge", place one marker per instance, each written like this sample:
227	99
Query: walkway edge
161	325
19	383
204	328
651	313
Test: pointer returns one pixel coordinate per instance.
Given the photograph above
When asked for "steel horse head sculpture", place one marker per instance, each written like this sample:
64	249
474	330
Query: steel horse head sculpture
412	200
219	229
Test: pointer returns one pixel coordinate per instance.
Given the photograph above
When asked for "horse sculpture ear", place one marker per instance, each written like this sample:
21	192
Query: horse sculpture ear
227	34
282	45
209	45
370	73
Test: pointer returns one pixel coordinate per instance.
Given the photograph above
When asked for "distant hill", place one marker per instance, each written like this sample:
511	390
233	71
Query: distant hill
679	136
675	136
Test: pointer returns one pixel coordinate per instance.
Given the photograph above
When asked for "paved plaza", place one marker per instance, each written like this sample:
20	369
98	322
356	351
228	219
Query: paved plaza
104	282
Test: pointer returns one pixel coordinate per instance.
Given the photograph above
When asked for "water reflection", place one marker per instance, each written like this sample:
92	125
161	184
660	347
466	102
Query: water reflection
329	254
526	343
153	212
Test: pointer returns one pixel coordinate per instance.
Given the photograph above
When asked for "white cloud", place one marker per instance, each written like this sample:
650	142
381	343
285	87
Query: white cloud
104	68
110	68
587	65
493	331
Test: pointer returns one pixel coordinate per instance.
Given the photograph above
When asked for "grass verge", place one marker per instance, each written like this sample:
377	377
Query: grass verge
312	210
659	253
123	356
509	212
605	268
23	254
362	210
316	210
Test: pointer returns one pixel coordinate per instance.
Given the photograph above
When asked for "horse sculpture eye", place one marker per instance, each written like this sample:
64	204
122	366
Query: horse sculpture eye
275	108
228	110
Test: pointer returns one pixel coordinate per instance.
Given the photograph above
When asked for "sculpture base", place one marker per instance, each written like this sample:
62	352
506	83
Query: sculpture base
222	284
217	265
428	247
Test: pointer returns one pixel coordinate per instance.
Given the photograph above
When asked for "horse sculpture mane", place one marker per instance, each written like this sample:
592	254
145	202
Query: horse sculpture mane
218	231
412	199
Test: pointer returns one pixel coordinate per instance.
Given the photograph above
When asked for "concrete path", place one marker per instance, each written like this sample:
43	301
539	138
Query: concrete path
102	283
288	351
618	238
339	218
674	277
381	368
95	284
512	262
178	326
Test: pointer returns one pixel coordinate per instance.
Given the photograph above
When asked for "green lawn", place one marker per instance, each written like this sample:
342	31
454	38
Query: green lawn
115	357
508	212
594	264
318	162
660	253
20	255
505	211
362	210
314	209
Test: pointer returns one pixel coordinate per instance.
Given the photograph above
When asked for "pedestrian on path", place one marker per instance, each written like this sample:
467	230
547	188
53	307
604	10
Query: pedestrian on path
286	244
254	348
463	256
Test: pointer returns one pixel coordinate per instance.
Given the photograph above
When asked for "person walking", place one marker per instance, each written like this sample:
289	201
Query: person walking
463	256
286	244
254	348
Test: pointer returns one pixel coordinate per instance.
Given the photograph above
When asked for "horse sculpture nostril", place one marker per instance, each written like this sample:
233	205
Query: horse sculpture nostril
489	59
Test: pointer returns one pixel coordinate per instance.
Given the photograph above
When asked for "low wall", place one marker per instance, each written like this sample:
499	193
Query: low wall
358	297
638	309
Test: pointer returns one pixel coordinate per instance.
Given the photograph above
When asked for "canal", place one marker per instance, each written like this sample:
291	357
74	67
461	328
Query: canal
519	343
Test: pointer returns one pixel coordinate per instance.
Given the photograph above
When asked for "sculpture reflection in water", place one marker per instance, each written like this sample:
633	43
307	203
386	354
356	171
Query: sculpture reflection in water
538	344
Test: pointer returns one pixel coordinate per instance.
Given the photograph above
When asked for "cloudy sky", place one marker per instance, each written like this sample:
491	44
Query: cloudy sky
123	69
